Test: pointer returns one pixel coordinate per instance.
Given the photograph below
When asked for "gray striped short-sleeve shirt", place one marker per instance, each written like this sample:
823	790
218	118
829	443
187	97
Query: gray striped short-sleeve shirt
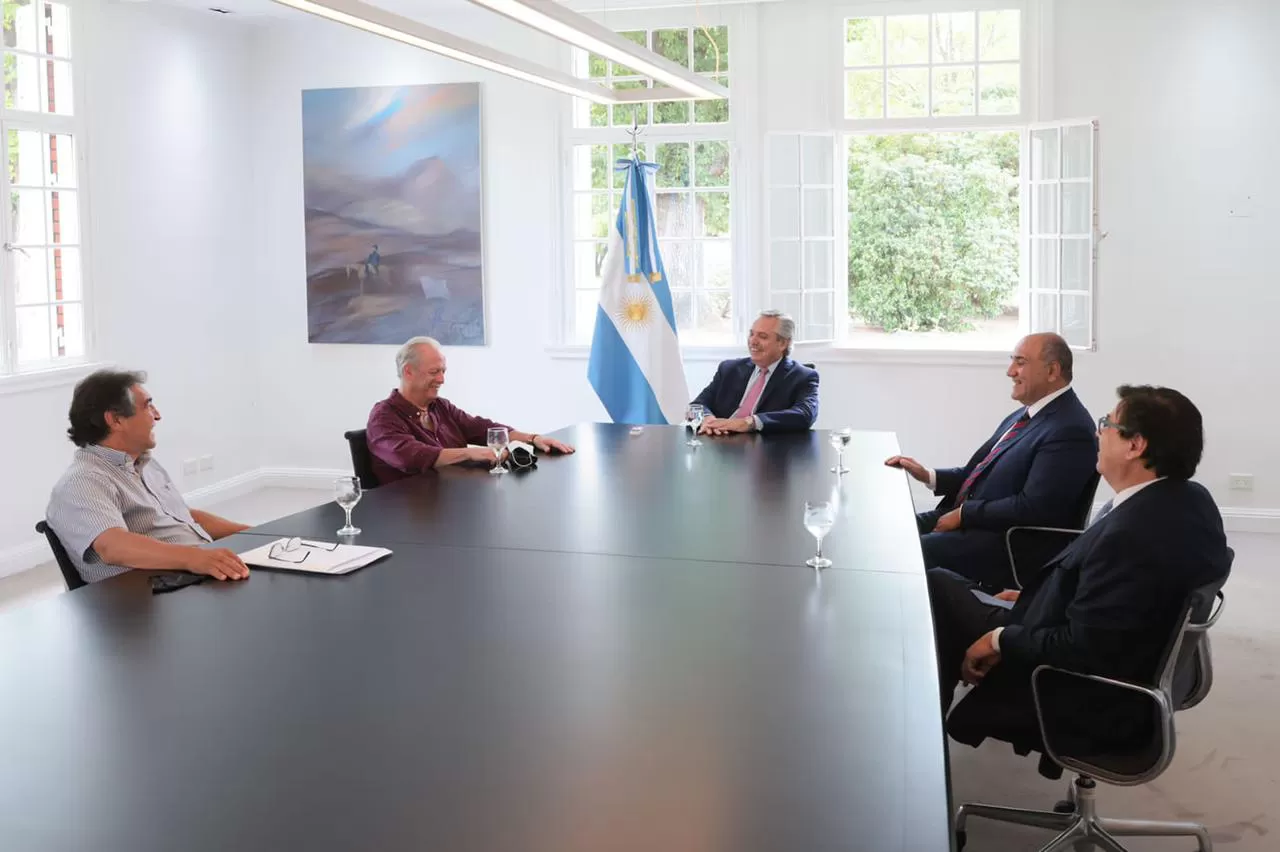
106	489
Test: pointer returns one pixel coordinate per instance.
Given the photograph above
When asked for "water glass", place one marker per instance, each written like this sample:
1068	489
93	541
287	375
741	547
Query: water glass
819	518
840	439
498	439
347	493
693	417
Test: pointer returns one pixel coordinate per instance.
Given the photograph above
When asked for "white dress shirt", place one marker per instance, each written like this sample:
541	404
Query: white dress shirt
1032	410
755	374
1121	496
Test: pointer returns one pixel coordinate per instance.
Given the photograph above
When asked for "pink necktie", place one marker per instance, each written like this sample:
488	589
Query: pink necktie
748	406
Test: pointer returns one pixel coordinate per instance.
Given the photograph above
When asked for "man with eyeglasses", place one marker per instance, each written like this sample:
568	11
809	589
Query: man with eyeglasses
1036	469
415	429
1107	604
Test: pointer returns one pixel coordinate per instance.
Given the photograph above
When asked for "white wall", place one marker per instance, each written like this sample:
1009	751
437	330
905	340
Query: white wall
171	199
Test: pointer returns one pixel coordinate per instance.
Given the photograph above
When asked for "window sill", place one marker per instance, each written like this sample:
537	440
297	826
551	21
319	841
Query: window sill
53	377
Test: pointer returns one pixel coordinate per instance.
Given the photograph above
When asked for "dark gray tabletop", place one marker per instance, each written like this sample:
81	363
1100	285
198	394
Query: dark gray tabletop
495	698
735	499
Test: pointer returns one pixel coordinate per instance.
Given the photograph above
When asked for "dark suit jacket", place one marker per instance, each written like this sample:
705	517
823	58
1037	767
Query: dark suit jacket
1040	478
789	402
1106	605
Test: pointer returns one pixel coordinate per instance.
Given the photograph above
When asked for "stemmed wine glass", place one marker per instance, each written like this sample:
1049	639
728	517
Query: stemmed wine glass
498	438
839	440
818	520
347	493
693	417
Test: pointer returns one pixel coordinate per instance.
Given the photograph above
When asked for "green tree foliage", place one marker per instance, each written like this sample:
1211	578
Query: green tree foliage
933	228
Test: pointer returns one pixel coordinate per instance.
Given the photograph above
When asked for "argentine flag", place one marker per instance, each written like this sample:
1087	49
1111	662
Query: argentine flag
635	364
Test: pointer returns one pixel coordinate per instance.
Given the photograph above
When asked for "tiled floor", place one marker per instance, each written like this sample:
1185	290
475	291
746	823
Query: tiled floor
1227	769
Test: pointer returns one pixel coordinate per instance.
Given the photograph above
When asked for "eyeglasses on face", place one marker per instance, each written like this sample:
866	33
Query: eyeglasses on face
1105	422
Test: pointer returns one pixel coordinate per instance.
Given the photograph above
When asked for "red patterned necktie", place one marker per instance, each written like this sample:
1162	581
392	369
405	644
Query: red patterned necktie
991	456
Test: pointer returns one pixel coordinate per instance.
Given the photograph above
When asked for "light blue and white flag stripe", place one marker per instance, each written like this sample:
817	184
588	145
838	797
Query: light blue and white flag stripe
635	364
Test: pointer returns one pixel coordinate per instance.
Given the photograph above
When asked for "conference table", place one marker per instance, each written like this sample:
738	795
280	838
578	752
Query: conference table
619	650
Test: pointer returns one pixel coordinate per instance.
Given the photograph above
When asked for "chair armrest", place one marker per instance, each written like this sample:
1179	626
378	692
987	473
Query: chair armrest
1219	603
1164	706
1042	531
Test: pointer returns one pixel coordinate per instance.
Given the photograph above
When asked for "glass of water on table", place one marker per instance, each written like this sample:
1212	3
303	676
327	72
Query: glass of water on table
819	518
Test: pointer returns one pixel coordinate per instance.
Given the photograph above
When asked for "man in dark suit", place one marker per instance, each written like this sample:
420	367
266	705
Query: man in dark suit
1036	469
1108	603
766	392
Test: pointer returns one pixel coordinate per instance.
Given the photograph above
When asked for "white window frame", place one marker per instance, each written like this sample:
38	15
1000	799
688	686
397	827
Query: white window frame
740	21
53	371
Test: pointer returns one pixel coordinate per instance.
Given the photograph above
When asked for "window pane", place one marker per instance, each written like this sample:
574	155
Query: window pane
599	115
908	92
818	272
671	112
64	275
28	216
61	161
819	317
712	112
68	330
26	161
21	82
56	95
1077	208
788	303
63	207
34	340
1076	320
1076	264
637	36
999	34
784	213
588	260
582	223
21	25
597	67
953	91
677	259
1044	312
672	44
673	164
1044	209
864	94
784	160
819	159
715	264
864	41
817	213
1077	151
714	313
1044	154
674	219
711	49
590	166
30	271
784	265
682	301
908	38
999	89
625	114
711	164
586	303
57	27
953	37
711	214
1044	264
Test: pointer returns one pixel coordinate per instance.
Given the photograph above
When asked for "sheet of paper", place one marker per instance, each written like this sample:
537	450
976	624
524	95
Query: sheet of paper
313	557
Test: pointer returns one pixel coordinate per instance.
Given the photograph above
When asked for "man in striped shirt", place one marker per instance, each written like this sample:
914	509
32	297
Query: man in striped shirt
115	508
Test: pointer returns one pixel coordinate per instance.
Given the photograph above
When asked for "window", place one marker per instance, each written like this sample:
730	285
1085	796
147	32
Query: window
692	143
43	318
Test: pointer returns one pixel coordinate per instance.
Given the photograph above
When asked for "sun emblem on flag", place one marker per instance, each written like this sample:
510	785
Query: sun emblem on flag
635	312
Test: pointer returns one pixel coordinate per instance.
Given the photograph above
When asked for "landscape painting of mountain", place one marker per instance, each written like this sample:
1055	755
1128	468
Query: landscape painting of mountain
391	179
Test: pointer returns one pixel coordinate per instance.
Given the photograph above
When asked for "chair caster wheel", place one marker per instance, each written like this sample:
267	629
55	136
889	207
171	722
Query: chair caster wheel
1064	806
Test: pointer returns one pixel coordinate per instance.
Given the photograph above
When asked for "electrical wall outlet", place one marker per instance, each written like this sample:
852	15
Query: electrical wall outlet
190	467
206	463
1241	482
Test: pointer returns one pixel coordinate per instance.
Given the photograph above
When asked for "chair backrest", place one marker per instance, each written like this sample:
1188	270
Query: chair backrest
1085	507
361	458
70	575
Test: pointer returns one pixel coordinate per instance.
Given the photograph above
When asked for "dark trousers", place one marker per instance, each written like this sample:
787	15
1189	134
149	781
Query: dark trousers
959	620
977	554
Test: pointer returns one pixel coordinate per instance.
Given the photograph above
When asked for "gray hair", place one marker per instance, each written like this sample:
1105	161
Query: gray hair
786	326
408	354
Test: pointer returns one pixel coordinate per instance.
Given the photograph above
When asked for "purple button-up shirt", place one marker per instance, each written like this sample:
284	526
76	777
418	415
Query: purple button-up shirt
403	442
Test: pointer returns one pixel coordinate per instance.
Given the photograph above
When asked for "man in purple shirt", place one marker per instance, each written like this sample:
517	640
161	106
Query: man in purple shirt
415	430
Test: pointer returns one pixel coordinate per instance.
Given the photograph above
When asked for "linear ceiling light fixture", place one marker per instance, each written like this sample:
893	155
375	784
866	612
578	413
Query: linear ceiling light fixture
371	19
563	23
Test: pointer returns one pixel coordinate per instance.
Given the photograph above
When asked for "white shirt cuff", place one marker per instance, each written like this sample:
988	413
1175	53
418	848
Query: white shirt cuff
933	479
995	638
755	423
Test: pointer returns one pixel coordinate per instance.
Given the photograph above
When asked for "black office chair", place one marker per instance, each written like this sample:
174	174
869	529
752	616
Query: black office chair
70	575
1186	675
1033	547
361	459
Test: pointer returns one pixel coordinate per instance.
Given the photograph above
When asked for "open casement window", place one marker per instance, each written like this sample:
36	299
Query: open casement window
802	228
1060	228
